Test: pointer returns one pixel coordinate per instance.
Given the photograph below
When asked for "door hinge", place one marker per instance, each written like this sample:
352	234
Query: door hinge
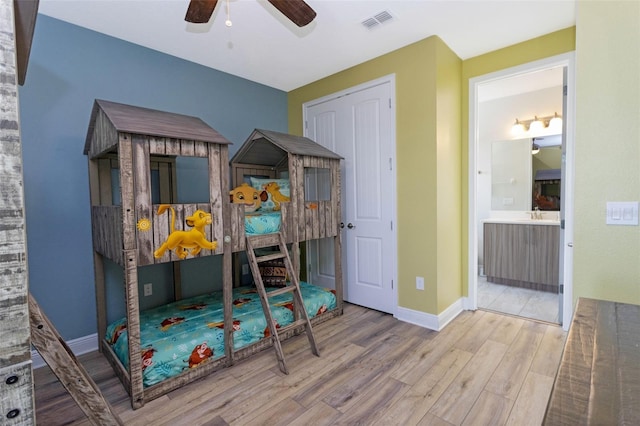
561	288
389	103
306	124
392	225
391	284
564	90
390	164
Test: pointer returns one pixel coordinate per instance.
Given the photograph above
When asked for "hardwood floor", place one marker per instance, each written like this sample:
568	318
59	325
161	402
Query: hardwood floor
482	369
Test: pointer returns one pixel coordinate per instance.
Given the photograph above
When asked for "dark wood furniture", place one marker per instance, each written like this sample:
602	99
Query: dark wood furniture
598	381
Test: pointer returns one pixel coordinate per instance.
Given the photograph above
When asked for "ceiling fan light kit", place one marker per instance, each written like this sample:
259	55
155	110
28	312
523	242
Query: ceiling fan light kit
298	12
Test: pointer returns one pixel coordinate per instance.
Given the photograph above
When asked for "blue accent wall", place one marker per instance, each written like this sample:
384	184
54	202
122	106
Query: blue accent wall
69	67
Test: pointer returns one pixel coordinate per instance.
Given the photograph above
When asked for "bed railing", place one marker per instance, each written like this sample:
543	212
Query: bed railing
315	220
151	232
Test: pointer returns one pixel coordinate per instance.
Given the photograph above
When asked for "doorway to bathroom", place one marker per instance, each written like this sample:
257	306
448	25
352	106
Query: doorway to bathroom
502	190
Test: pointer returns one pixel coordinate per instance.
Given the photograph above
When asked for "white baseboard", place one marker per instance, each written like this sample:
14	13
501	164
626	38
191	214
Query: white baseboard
467	305
430	321
78	346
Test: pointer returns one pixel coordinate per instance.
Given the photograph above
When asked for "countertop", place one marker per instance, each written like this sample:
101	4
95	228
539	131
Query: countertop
523	221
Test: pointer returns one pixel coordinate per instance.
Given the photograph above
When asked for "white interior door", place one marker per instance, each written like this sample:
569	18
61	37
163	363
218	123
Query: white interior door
357	124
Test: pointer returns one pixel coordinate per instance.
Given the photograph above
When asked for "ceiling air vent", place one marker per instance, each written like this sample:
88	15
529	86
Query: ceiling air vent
383	16
370	23
377	19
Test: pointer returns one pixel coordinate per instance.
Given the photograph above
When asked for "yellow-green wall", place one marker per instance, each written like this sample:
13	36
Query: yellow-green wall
432	151
427	75
553	44
607	149
449	179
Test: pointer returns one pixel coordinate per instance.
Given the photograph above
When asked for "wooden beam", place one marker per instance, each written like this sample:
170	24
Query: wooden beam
26	12
69	371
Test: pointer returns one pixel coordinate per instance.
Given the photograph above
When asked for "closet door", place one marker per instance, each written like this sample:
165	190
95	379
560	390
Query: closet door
357	124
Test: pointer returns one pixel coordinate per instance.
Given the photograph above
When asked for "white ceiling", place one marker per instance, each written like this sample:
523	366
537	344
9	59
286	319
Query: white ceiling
522	83
265	47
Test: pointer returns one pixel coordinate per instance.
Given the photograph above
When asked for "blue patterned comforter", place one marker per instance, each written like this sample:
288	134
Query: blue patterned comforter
262	222
187	333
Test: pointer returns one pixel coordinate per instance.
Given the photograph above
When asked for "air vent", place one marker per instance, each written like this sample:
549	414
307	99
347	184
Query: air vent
383	16
370	23
377	19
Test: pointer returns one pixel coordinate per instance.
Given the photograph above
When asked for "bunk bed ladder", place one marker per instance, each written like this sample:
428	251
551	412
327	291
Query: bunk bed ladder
292	286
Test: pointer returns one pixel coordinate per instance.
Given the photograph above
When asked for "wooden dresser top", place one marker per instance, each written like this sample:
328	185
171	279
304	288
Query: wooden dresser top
598	381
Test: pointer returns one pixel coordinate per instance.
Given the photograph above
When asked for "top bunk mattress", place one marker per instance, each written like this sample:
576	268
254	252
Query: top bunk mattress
183	334
262	222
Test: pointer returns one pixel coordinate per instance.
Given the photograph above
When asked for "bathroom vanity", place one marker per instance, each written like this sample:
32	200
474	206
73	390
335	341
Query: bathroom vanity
523	253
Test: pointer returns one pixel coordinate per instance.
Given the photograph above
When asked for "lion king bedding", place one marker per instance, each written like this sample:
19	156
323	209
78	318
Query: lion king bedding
262	222
186	333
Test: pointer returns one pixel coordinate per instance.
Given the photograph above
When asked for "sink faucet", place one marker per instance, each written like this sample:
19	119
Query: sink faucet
537	214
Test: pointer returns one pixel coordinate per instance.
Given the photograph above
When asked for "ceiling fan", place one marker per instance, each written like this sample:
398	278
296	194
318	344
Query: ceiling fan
299	12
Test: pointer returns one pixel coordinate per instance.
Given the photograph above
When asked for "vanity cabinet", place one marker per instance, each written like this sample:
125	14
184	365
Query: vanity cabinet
522	255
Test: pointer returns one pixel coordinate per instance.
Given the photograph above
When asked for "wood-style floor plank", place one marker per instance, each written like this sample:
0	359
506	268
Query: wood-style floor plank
418	400
483	368
535	389
458	399
508	378
489	409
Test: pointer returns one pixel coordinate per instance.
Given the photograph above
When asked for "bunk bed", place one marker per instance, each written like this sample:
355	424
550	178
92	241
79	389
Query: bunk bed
135	149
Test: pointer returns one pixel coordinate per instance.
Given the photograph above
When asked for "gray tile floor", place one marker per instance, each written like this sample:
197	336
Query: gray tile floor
522	302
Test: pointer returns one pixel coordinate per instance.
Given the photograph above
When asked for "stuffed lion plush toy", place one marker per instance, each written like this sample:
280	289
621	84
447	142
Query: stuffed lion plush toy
249	196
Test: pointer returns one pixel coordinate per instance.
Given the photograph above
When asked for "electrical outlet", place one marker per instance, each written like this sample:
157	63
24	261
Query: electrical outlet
245	269
419	283
148	289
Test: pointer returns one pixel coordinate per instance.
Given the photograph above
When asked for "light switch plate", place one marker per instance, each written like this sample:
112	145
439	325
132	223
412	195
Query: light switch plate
622	213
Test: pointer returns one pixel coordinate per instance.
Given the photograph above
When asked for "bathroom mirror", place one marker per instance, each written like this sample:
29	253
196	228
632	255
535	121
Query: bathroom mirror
513	175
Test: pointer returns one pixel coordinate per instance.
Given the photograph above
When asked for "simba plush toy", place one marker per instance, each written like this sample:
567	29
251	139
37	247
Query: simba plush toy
181	241
276	196
249	196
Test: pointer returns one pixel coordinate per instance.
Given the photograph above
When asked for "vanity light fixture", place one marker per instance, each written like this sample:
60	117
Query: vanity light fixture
548	124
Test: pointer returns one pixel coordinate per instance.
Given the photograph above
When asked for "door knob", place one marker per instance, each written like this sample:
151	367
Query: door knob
351	225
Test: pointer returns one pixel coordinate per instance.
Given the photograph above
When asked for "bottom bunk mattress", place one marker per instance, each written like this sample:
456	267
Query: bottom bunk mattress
186	333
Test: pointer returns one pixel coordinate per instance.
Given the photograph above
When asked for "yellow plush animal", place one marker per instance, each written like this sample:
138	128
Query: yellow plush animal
249	196
181	241
276	196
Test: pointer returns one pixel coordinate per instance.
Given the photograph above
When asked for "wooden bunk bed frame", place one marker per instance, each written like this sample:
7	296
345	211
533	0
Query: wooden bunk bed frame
136	140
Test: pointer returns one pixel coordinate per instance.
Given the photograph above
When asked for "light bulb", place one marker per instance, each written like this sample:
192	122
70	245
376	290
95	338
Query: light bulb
228	23
517	129
536	126
556	123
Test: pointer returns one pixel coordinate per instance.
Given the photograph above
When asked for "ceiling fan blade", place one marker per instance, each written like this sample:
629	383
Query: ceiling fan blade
299	12
200	11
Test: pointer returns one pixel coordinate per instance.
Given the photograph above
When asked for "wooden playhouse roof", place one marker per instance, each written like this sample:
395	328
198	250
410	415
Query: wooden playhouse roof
147	122
269	148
